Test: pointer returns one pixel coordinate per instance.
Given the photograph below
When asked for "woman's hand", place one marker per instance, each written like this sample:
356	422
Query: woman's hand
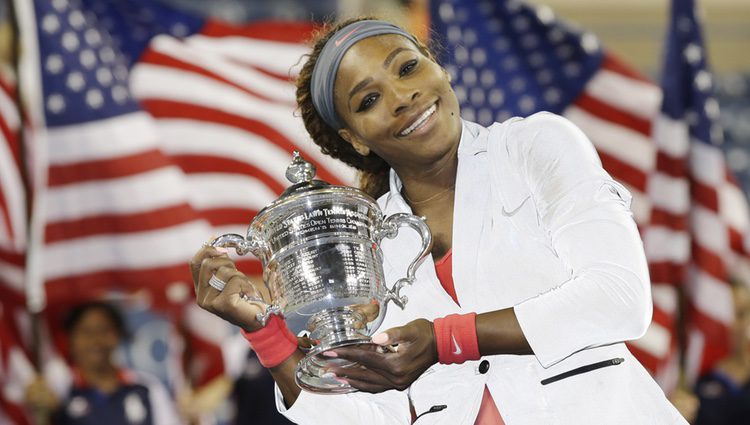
39	396
239	302
401	355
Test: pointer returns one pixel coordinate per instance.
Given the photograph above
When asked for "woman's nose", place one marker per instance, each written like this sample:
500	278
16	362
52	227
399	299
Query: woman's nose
403	98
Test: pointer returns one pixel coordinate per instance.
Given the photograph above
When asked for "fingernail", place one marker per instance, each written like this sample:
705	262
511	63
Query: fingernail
328	375
342	381
221	249
380	338
330	354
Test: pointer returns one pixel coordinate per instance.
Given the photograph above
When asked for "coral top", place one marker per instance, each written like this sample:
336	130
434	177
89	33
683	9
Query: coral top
488	413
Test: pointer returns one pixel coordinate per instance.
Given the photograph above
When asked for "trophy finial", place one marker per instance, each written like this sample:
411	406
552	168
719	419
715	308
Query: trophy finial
299	170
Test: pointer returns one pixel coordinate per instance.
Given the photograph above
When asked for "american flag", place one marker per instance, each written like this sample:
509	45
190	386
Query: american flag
16	372
15	363
715	220
512	59
150	130
13	198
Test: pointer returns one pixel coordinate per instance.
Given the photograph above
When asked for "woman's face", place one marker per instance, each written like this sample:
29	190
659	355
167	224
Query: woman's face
396	102
94	339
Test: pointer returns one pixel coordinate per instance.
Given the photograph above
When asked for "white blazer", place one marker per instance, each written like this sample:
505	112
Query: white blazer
538	226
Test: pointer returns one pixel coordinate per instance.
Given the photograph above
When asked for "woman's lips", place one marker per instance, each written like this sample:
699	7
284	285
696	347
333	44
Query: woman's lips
420	121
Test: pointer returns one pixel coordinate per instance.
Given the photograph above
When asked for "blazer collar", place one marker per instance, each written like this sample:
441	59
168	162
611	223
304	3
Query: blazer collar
469	145
470	209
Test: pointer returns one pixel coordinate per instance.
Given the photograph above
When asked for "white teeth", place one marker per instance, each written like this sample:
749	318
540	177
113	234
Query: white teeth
422	118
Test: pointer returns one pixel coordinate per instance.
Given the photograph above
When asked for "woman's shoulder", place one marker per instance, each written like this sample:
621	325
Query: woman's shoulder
537	120
543	135
540	125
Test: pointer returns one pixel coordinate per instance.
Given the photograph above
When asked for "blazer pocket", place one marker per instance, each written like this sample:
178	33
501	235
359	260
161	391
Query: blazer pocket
583	369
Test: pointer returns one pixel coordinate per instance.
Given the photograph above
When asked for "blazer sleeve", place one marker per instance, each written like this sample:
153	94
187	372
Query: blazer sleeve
587	220
387	408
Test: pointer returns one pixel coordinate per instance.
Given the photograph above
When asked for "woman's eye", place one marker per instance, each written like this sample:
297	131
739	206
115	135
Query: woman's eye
367	102
408	67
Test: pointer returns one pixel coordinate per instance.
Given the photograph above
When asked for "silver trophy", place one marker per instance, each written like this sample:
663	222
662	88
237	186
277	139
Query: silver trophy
319	247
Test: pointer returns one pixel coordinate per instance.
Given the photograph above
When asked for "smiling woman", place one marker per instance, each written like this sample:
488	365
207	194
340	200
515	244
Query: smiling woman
403	58
400	107
537	274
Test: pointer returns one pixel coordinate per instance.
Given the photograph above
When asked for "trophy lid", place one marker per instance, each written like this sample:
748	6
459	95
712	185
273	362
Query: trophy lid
301	174
276	225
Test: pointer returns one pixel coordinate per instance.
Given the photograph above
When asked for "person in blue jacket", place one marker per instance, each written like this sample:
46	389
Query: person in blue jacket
101	391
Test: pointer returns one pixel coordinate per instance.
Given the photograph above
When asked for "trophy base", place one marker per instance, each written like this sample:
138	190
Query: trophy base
334	328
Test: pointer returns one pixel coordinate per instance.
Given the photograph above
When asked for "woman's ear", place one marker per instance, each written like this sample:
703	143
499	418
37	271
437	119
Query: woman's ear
353	140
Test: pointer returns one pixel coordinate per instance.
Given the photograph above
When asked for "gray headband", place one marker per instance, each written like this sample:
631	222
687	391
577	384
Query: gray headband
327	65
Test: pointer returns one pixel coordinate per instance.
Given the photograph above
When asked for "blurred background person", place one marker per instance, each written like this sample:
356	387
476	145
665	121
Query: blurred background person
686	402
101	391
254	402
724	392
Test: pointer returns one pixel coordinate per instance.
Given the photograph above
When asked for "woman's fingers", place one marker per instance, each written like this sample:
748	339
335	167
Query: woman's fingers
366	355
372	383
231	295
379	370
240	287
372	380
209	267
413	332
393	368
197	263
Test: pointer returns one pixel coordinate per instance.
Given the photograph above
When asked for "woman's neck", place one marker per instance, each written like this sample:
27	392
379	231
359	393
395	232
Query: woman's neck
430	192
102	377
431	184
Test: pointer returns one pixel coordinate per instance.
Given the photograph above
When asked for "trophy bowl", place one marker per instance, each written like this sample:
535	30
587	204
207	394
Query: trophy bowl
319	246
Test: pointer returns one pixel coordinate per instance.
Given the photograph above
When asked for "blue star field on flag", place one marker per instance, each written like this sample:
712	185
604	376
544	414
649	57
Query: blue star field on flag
687	83
507	58
86	49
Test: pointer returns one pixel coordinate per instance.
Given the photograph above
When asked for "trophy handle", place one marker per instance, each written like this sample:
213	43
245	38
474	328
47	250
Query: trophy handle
389	228
242	246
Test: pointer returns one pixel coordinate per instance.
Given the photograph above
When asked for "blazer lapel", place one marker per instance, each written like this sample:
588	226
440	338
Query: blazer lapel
469	211
427	292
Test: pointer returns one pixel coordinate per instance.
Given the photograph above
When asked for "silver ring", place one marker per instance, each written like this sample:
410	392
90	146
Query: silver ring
217	283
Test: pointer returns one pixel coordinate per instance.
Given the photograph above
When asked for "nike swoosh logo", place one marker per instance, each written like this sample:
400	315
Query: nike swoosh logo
458	347
342	39
512	213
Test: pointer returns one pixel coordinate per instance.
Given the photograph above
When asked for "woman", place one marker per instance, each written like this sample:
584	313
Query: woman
101	391
537	272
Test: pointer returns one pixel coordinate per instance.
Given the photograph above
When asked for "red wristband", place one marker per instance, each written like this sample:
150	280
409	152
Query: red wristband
456	338
272	343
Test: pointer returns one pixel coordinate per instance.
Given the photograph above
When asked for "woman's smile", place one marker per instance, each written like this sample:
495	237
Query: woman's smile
422	123
398	103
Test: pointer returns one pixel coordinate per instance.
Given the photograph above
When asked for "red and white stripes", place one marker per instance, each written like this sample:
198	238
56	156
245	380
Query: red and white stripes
691	213
616	111
13	209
